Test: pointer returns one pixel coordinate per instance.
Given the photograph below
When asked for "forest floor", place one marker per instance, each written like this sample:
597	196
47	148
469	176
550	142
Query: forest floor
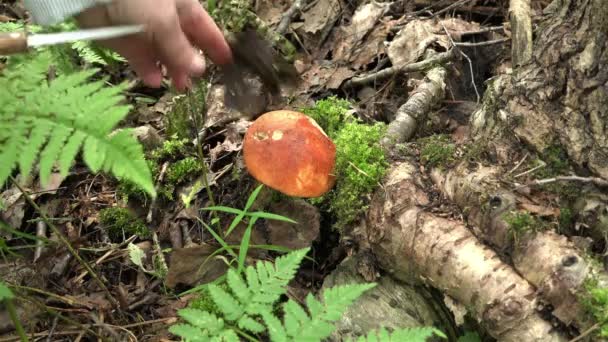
343	50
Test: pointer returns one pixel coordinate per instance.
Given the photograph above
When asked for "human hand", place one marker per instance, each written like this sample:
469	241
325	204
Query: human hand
175	30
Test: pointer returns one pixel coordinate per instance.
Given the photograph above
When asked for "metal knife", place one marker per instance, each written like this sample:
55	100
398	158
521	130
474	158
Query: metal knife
20	42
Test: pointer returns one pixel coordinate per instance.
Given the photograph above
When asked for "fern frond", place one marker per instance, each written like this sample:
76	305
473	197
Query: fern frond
418	334
53	121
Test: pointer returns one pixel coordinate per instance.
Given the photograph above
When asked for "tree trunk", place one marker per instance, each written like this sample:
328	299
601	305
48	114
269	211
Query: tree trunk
560	95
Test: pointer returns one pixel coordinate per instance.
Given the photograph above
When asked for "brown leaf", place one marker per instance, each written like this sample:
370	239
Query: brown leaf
185	266
363	21
291	235
411	42
320	15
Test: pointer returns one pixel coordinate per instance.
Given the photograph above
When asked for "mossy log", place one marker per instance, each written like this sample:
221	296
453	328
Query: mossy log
410	243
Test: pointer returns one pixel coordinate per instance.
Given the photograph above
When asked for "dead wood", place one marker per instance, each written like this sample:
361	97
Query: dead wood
546	259
410	242
559	96
288	16
428	94
521	27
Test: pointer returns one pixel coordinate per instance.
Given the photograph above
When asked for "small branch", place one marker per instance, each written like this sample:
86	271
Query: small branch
67	244
468	59
440	58
586	332
428	93
295	8
594	180
482	30
486	43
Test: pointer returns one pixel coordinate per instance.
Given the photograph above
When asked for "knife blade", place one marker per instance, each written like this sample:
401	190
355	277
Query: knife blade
20	42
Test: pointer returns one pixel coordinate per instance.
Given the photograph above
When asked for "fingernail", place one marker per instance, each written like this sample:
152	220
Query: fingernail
198	65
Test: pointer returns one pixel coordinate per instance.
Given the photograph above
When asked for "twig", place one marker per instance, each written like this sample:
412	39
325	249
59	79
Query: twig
595	180
468	59
450	7
66	243
482	30
486	43
417	107
159	179
518	164
295	8
586	332
440	58
542	164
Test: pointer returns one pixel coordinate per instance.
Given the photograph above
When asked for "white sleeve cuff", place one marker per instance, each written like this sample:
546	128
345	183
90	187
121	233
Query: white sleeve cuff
49	12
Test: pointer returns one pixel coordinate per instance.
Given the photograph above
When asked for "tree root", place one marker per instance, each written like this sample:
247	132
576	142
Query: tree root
408	241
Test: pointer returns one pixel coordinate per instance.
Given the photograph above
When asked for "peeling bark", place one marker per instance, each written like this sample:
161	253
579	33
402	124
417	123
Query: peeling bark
443	253
521	26
546	259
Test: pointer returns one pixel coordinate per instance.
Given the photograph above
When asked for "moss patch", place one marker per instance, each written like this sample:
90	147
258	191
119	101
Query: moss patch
437	150
595	302
120	224
182	170
360	160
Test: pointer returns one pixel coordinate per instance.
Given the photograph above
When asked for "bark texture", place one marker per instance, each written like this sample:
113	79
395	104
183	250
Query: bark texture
410	242
560	95
549	261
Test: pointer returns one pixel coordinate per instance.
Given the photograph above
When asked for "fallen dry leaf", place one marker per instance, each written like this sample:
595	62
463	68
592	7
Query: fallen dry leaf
322	14
185	266
411	42
291	235
363	21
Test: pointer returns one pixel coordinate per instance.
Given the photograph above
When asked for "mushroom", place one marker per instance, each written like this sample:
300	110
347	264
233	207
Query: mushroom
289	152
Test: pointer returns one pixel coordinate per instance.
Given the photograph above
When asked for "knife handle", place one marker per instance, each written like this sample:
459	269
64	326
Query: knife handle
14	42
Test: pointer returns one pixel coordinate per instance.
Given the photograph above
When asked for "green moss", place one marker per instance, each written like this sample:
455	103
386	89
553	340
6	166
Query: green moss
181	170
331	114
128	190
566	219
360	160
556	160
120	223
178	121
171	149
594	300
522	222
437	150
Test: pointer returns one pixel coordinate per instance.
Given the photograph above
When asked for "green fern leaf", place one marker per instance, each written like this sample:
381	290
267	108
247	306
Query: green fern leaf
238	286
229	306
189	332
202	319
295	317
338	298
52	121
275	328
418	334
250	324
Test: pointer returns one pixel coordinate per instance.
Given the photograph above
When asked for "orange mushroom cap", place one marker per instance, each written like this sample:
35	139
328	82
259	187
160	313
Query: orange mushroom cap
289	152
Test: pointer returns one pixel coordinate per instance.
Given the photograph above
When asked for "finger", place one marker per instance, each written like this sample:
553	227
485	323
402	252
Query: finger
203	32
172	45
141	57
